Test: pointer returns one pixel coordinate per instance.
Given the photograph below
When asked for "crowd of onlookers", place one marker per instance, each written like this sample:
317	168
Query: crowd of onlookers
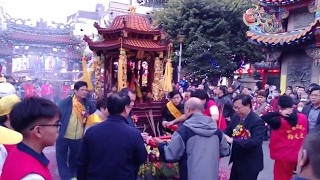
26	87
266	96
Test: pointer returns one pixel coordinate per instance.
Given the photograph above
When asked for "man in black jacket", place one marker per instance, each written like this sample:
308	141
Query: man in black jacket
224	102
112	149
246	155
312	111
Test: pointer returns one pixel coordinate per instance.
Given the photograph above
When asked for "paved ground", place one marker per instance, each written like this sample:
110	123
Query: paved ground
266	174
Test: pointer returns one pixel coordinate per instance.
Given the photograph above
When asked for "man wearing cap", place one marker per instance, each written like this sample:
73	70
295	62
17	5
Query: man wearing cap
6	89
7	101
7	137
6	104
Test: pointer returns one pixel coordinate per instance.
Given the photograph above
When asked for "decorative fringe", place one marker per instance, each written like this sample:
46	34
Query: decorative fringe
86	75
122	68
120	72
98	83
138	90
168	77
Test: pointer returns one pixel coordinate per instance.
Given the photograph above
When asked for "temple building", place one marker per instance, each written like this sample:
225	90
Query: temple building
40	50
287	33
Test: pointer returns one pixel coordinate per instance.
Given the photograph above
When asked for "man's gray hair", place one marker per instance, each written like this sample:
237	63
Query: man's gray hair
195	104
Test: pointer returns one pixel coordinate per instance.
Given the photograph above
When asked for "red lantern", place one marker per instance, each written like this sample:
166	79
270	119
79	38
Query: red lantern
249	71
240	71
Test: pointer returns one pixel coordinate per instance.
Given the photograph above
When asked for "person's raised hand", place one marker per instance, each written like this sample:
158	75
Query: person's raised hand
286	112
157	141
164	124
145	136
170	123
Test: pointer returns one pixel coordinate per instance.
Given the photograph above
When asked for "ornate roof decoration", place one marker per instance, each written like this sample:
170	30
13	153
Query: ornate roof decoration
278	2
263	65
131	23
259	19
23	30
287	38
135	33
129	43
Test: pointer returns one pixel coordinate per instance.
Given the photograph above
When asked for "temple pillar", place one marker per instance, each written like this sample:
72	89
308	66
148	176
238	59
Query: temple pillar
98	82
156	85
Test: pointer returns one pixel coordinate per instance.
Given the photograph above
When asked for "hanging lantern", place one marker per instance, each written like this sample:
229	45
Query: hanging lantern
249	71
240	71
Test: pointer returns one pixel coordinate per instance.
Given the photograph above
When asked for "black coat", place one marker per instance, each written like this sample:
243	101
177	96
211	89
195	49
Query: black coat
247	154
111	150
306	110
167	116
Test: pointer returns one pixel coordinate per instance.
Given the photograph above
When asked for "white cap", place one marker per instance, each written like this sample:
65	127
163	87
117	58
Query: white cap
6	89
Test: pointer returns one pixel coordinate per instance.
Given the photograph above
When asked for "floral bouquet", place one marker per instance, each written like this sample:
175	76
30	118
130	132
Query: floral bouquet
85	113
239	132
135	118
154	168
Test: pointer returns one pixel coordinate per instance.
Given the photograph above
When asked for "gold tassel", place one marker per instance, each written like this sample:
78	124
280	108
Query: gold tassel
86	75
120	72
168	77
122	68
138	90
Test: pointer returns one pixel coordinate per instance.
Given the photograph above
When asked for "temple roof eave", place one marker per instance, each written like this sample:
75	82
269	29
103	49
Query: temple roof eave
39	38
102	31
131	23
283	38
277	2
115	47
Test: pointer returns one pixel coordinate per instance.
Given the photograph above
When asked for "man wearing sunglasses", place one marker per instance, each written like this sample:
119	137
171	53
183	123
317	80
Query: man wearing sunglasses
37	119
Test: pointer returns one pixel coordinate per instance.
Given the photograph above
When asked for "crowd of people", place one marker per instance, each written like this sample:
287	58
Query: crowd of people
26	87
102	142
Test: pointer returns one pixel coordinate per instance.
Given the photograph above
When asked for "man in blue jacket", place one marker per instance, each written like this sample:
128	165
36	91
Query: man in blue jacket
74	109
112	149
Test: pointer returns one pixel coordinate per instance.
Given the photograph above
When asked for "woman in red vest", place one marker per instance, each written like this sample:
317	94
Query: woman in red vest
210	108
288	131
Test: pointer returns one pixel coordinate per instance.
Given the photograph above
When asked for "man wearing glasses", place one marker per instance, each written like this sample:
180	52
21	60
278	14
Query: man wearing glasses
312	111
246	149
37	119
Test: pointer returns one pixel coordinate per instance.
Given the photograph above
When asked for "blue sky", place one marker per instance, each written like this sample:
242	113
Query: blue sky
50	10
